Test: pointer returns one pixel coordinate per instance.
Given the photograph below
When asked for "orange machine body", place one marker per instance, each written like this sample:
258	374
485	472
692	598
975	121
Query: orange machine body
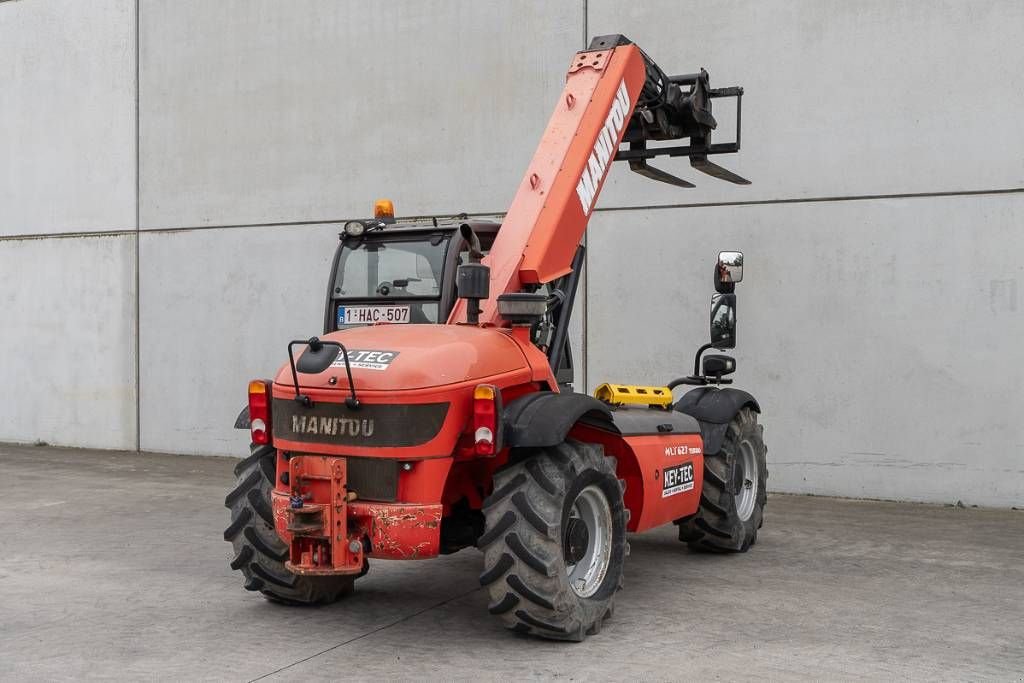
415	383
429	377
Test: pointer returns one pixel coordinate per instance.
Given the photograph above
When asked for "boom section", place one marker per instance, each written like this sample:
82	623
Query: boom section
551	208
614	93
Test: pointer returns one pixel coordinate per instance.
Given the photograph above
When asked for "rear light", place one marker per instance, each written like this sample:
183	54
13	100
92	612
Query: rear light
259	411
486	416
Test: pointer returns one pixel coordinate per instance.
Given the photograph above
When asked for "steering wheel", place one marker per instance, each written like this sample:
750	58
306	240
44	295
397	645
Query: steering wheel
385	287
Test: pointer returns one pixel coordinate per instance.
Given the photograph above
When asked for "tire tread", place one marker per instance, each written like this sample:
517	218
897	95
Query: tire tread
716	527
523	566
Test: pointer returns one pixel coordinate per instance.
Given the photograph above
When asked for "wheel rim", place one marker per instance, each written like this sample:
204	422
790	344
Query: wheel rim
747	474
588	541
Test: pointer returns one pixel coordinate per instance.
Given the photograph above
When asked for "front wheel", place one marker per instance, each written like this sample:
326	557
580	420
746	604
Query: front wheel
555	542
734	493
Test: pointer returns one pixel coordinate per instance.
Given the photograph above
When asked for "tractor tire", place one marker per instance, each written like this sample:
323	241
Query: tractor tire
260	553
734	492
554	544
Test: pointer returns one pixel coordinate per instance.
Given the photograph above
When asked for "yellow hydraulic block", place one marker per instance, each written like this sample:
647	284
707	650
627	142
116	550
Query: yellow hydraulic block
630	394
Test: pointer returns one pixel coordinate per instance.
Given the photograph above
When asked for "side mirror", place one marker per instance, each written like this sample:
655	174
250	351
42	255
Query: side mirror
728	271
723	321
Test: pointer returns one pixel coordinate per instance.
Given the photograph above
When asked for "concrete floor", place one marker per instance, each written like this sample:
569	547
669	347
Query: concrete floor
112	565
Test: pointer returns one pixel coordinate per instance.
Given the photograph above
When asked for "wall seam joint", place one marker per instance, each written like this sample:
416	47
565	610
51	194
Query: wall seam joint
138	250
501	214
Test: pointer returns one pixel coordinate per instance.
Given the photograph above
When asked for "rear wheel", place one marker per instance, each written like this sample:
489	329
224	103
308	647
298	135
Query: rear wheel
555	542
734	493
260	553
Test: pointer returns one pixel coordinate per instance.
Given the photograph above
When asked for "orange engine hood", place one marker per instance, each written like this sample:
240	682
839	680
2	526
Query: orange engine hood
405	357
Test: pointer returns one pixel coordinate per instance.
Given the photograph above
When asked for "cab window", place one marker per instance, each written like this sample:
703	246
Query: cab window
392	269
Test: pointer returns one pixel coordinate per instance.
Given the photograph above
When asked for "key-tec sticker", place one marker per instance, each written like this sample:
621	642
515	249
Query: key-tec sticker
366	360
677	479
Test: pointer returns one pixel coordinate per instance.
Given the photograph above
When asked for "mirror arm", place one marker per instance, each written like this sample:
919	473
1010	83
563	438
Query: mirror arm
696	360
692	381
468	234
696	379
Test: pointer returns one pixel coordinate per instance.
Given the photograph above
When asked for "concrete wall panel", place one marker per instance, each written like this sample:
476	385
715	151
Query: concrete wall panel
67	337
842	98
218	308
67	116
257	112
881	336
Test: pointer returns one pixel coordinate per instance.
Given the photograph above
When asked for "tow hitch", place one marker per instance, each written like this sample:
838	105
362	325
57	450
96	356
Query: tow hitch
321	541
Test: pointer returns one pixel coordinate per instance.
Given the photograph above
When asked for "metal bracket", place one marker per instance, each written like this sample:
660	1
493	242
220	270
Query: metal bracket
316	344
589	60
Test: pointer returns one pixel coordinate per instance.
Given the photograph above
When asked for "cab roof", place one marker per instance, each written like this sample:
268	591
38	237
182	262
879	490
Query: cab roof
416	225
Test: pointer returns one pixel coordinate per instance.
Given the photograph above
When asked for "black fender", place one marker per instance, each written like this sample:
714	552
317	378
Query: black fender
242	421
543	419
714	409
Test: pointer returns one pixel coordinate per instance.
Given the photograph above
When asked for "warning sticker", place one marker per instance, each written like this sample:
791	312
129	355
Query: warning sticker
677	479
366	360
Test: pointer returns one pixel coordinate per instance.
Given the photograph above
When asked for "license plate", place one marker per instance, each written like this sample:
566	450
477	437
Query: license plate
354	315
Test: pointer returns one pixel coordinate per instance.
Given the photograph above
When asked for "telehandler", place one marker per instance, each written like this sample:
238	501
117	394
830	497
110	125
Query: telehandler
436	412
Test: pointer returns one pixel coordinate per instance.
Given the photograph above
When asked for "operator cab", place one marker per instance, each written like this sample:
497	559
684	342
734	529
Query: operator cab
398	273
385	272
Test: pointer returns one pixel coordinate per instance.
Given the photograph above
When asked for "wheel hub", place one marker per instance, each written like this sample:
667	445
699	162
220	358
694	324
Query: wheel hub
577	538
745	481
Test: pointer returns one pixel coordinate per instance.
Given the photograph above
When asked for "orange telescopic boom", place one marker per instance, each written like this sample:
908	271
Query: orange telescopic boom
613	93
